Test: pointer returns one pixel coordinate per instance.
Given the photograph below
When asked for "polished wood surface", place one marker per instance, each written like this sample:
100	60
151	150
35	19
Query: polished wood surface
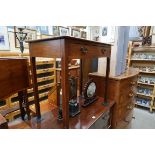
121	90
14	76
84	120
67	48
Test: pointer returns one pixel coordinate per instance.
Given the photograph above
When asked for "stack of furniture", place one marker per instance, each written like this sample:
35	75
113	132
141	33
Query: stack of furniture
46	79
143	58
122	90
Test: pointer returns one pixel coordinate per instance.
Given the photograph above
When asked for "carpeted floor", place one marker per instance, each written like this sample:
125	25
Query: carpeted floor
143	119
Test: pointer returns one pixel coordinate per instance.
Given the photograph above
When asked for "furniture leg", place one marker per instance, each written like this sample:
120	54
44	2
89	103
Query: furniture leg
35	87
106	81
21	100
27	104
65	85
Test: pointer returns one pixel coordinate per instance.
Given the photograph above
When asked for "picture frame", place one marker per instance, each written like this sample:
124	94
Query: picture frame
76	33
53	30
63	31
31	27
4	39
104	31
31	35
42	29
83	34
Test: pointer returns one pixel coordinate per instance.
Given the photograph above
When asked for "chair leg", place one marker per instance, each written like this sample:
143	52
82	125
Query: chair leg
21	99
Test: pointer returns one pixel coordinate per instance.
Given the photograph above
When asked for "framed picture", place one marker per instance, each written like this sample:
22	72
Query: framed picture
42	29
104	31
10	28
63	31
83	34
53	30
4	38
31	27
76	33
31	35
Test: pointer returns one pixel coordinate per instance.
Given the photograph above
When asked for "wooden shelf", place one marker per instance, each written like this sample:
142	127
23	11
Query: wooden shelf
147	72
148	96
47	70
145	60
143	63
142	105
147	84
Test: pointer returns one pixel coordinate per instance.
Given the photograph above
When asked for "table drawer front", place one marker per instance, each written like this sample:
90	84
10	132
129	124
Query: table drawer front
82	50
103	122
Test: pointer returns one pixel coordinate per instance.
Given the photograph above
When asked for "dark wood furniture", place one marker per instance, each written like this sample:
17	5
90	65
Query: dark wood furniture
94	116
122	89
14	78
67	48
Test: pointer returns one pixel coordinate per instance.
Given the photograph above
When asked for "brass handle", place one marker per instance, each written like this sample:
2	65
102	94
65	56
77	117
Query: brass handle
126	121
103	51
131	94
84	50
133	82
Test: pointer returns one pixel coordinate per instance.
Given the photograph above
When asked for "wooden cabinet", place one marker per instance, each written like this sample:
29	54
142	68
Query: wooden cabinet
122	90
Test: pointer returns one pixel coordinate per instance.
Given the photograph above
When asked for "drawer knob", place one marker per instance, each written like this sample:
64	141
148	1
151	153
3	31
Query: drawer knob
103	51
133	82
131	94
84	50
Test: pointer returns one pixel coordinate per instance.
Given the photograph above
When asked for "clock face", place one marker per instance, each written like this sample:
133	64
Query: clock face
91	89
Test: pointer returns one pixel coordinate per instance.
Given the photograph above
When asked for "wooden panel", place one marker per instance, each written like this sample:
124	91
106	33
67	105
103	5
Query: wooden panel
45	49
92	51
14	77
3	123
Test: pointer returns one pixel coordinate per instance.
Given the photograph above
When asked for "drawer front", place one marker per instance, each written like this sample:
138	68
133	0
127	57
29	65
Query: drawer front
125	122
82	50
127	84
103	122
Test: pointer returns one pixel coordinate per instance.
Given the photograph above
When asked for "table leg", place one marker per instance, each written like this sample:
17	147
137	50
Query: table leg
65	84
35	87
106	81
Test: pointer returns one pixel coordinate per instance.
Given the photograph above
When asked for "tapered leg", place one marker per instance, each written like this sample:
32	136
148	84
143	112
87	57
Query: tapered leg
35	87
106	81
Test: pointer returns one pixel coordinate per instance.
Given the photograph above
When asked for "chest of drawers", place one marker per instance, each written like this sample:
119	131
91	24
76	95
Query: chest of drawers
122	90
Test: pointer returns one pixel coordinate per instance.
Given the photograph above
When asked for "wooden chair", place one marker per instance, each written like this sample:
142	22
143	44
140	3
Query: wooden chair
14	78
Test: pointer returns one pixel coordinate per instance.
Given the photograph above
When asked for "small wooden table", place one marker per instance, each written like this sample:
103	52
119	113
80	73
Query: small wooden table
66	48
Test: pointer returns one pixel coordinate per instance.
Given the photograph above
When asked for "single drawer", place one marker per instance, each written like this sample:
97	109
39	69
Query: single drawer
127	84
82	50
103	122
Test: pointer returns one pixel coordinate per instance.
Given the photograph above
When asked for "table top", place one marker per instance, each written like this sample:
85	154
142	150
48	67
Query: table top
131	72
68	37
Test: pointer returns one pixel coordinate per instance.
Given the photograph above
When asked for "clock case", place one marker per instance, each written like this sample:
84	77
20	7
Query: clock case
88	100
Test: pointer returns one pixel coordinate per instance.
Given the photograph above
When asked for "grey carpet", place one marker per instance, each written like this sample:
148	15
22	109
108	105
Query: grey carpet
143	119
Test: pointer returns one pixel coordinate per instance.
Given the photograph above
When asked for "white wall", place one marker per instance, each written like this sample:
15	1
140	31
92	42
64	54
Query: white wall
118	52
